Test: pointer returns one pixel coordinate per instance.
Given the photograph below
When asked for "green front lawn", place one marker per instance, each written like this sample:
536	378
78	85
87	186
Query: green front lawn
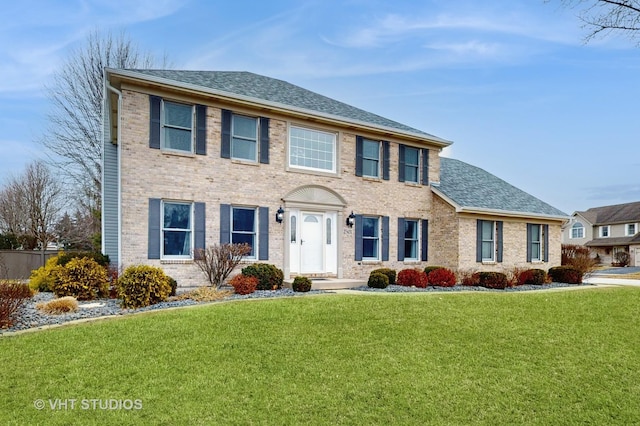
566	357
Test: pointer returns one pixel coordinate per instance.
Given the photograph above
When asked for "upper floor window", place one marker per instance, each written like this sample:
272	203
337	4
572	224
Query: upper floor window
604	231
312	149
244	138
577	230
177	230
370	158
630	229
177	126
411	164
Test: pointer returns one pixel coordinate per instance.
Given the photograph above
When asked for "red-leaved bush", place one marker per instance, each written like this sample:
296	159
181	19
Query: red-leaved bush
442	277
244	284
13	298
412	277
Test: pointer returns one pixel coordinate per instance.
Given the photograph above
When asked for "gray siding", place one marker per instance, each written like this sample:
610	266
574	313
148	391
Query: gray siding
109	190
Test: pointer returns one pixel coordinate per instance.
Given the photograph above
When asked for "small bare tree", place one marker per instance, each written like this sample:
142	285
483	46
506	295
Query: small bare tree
218	261
31	203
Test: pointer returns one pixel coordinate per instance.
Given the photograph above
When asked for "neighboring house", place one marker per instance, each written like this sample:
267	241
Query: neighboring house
315	186
606	231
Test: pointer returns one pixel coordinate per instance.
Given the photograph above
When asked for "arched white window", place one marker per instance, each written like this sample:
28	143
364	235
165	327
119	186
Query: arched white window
577	230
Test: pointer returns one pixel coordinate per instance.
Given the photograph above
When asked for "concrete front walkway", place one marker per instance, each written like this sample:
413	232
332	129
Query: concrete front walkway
598	280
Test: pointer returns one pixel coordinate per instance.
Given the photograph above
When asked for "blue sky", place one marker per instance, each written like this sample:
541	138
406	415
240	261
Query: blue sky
510	82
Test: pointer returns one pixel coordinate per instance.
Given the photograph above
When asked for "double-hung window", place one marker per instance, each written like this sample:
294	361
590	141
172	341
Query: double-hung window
244	138
411	242
577	230
177	126
630	229
370	158
370	238
312	149
604	231
488	240
535	243
411	164
177	230
243	228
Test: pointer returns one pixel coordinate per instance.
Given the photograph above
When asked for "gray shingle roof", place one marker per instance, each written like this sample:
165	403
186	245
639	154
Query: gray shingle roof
281	92
471	187
619	213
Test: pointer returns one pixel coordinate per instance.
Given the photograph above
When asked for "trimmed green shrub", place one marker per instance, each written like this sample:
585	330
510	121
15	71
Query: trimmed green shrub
378	280
428	269
244	284
301	284
492	280
565	274
441	277
42	279
81	278
99	258
390	273
13	297
143	285
532	276
269	276
412	277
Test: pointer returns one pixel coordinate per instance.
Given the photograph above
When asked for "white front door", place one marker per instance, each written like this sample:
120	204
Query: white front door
311	243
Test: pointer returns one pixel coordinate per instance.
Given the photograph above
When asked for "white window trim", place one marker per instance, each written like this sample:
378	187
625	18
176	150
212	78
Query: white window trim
191	231
492	259
378	238
418	166
163	125
256	237
379	159
581	228
626	229
417	240
539	256
334	160
256	140
601	231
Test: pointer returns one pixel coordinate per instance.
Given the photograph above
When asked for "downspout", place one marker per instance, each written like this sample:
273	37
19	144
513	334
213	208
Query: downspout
109	87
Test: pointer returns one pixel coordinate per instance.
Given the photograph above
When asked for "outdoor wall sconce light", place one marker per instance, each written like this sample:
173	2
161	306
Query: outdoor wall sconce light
351	220
280	215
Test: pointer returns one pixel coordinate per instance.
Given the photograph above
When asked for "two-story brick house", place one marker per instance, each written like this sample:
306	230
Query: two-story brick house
315	186
607	230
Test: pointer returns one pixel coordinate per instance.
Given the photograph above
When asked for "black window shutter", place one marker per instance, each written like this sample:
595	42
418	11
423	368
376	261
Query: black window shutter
358	233
385	238
359	156
425	166
201	130
401	163
153	239
225	223
264	140
385	160
154	122
199	236
499	225
529	232
225	149
478	240
424	256
400	238
263	233
546	243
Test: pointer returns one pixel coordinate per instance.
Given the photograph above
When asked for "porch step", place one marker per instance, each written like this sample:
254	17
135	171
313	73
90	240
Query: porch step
330	283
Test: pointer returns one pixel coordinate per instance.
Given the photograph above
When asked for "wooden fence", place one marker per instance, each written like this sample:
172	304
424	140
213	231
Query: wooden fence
18	264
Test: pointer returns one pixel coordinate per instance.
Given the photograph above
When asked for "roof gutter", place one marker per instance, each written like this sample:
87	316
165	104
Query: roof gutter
276	106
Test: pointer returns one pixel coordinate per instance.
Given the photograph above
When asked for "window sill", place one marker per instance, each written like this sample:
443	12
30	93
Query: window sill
176	261
489	262
312	172
413	184
178	154
244	162
372	179
372	262
411	262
